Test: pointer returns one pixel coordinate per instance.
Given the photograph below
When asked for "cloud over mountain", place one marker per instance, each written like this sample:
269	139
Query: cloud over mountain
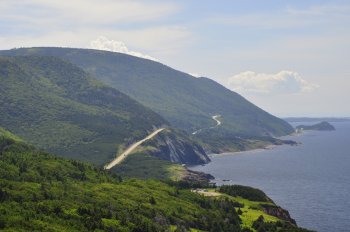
103	43
283	82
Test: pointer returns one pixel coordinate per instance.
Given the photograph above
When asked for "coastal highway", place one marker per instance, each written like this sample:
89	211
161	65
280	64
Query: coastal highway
215	118
128	151
218	123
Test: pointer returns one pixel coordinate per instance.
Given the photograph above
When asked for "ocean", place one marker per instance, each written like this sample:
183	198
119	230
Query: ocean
311	180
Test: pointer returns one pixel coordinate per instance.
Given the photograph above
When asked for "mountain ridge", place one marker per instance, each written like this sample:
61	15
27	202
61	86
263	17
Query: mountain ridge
186	102
58	107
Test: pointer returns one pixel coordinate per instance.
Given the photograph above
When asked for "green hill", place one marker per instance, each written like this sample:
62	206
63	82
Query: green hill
41	192
58	107
186	102
321	126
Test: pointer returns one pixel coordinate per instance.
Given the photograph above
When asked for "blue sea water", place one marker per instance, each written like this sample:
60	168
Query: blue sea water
311	180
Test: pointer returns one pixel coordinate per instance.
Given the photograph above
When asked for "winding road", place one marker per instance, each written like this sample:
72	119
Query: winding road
218	123
128	151
215	118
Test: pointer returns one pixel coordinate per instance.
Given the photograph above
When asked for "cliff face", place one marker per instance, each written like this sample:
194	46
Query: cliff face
278	212
176	147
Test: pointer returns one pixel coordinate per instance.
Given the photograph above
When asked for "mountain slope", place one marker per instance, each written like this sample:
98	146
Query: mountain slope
41	192
186	102
58	107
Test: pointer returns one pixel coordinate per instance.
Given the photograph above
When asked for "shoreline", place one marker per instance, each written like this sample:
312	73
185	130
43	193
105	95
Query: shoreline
267	147
285	139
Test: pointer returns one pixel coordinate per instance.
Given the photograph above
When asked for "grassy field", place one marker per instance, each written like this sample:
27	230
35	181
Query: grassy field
250	210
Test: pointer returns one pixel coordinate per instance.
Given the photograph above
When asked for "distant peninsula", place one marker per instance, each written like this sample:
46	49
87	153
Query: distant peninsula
322	126
309	119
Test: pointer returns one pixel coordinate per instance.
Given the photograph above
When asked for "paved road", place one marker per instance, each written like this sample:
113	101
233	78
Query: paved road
215	117
127	152
218	123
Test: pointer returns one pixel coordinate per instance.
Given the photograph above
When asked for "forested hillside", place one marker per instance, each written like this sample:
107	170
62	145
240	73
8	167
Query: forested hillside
41	192
58	107
186	102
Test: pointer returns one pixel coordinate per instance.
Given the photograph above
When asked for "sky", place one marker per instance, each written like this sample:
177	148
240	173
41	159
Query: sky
291	58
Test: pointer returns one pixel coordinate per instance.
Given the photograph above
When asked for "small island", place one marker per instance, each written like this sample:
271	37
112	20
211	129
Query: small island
322	126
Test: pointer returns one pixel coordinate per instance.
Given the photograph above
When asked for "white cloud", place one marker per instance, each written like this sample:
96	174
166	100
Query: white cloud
197	75
284	82
143	24
161	42
102	43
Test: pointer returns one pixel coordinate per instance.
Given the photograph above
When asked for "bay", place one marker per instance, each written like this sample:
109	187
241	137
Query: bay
311	180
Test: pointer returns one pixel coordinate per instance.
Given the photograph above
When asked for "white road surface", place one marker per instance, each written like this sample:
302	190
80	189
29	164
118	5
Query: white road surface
128	151
215	118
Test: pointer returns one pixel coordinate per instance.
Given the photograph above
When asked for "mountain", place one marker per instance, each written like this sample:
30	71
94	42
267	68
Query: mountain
58	107
41	192
186	102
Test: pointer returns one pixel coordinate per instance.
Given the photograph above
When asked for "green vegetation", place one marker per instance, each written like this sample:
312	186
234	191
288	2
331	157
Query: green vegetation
253	214
40	192
246	192
261	225
186	102
251	211
56	106
7	134
143	166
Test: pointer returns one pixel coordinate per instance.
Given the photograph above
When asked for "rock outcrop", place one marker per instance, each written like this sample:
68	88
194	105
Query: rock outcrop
278	212
197	177
176	147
